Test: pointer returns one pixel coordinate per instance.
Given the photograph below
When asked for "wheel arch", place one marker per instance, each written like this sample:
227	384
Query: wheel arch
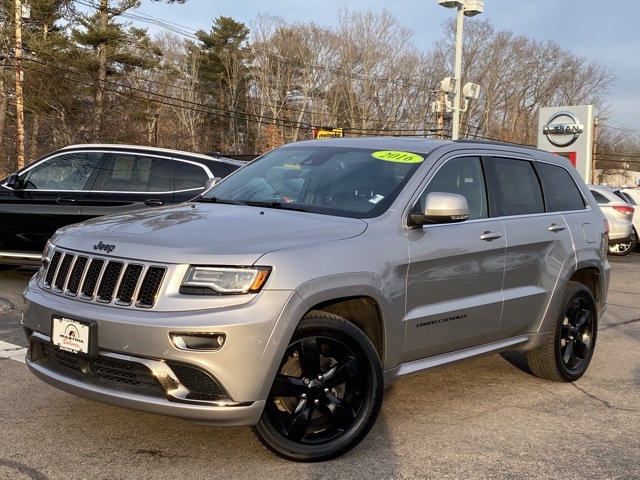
364	300
592	279
363	312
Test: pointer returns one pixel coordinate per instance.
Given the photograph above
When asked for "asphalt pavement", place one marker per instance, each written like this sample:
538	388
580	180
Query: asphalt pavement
483	419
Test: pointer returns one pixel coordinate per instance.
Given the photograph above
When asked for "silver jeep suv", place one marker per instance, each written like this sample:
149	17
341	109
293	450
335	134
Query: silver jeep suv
291	293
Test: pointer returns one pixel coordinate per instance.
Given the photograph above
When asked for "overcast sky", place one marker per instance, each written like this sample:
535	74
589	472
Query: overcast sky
600	30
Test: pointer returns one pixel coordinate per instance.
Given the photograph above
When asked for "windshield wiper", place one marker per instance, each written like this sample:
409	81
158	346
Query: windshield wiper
282	205
218	200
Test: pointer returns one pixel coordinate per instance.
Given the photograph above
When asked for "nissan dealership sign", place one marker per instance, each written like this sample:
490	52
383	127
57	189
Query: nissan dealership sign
568	131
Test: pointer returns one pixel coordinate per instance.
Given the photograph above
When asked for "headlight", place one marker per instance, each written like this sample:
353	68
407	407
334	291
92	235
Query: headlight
224	280
47	253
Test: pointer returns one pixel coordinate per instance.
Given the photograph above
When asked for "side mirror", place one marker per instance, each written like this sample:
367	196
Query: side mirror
211	182
441	207
12	181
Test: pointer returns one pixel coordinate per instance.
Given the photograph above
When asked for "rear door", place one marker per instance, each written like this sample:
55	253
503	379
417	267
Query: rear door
539	242
130	182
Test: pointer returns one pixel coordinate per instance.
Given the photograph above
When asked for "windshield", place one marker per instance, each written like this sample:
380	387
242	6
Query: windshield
349	182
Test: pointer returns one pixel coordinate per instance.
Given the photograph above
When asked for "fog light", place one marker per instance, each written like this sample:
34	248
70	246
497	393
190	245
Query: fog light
198	341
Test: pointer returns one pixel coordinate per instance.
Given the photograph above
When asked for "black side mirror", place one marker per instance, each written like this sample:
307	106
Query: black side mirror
12	181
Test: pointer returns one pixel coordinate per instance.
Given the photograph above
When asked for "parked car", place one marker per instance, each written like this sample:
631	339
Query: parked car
85	181
632	195
620	213
288	295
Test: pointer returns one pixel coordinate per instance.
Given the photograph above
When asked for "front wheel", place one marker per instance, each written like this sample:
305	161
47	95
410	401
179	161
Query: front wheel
569	347
327	393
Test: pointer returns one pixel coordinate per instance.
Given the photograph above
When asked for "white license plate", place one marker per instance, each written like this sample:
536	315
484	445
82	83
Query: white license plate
70	335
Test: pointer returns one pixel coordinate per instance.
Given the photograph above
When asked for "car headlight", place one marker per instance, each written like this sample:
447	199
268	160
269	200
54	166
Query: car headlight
47	253
224	280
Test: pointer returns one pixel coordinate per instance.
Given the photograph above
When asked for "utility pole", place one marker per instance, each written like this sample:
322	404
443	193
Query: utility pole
19	95
593	152
441	109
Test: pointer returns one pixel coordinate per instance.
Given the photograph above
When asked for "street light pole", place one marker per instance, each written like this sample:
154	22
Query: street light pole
467	8
457	74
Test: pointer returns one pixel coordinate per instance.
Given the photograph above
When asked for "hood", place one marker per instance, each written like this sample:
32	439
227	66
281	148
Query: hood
192	233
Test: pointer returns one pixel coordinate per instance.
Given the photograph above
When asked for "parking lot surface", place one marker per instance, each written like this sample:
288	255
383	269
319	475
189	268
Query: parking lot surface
487	418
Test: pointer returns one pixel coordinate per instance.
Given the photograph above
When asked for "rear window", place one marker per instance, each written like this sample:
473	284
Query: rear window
561	192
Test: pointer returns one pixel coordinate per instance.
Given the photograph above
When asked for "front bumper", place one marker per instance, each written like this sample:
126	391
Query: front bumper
137	366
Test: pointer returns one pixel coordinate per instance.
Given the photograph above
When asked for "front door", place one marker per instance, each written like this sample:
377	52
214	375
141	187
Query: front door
455	274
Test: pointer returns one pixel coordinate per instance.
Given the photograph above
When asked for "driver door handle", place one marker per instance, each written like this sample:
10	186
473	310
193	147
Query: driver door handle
65	200
488	236
556	228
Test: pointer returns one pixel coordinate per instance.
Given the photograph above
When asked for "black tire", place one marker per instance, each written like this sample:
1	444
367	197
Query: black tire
569	347
327	393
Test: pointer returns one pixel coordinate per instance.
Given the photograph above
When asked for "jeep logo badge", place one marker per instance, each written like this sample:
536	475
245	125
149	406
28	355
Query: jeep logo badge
563	133
104	247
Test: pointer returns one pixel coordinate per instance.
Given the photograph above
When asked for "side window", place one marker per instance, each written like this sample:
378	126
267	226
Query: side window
464	176
517	187
561	192
600	199
69	171
219	169
128	173
188	176
161	176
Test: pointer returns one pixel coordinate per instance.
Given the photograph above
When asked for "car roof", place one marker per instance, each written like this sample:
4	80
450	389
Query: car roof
420	144
142	148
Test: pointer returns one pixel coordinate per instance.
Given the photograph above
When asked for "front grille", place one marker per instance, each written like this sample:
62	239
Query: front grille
114	372
200	385
110	371
103	280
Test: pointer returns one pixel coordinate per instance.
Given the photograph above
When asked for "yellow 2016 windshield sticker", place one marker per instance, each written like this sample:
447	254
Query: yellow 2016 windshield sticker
399	157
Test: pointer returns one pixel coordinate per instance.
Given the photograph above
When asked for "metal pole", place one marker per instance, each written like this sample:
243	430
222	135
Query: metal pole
19	95
457	75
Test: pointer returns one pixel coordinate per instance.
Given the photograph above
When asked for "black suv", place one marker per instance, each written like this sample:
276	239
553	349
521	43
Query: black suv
85	181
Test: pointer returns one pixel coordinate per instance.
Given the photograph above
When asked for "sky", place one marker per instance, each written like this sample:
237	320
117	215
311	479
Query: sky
600	30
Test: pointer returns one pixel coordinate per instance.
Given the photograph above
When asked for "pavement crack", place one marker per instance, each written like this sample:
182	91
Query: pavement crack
612	325
602	401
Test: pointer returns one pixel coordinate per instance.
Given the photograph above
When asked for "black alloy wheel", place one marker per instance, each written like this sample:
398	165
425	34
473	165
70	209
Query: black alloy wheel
567	353
327	393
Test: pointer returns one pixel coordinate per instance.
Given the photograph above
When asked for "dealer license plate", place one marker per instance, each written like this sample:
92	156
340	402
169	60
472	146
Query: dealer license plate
70	335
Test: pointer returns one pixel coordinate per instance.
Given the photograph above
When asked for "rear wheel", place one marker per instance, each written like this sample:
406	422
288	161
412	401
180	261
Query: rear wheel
327	393
624	248
569	347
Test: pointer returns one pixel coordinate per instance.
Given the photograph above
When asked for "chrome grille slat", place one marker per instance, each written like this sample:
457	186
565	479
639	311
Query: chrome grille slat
107	281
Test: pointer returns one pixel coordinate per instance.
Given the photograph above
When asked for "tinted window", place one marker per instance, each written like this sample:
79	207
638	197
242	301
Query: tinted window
219	169
128	173
561	192
161	176
627	198
518	188
601	199
188	176
462	175
69	171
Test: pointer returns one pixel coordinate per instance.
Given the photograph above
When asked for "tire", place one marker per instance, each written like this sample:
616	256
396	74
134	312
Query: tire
569	347
621	249
327	393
